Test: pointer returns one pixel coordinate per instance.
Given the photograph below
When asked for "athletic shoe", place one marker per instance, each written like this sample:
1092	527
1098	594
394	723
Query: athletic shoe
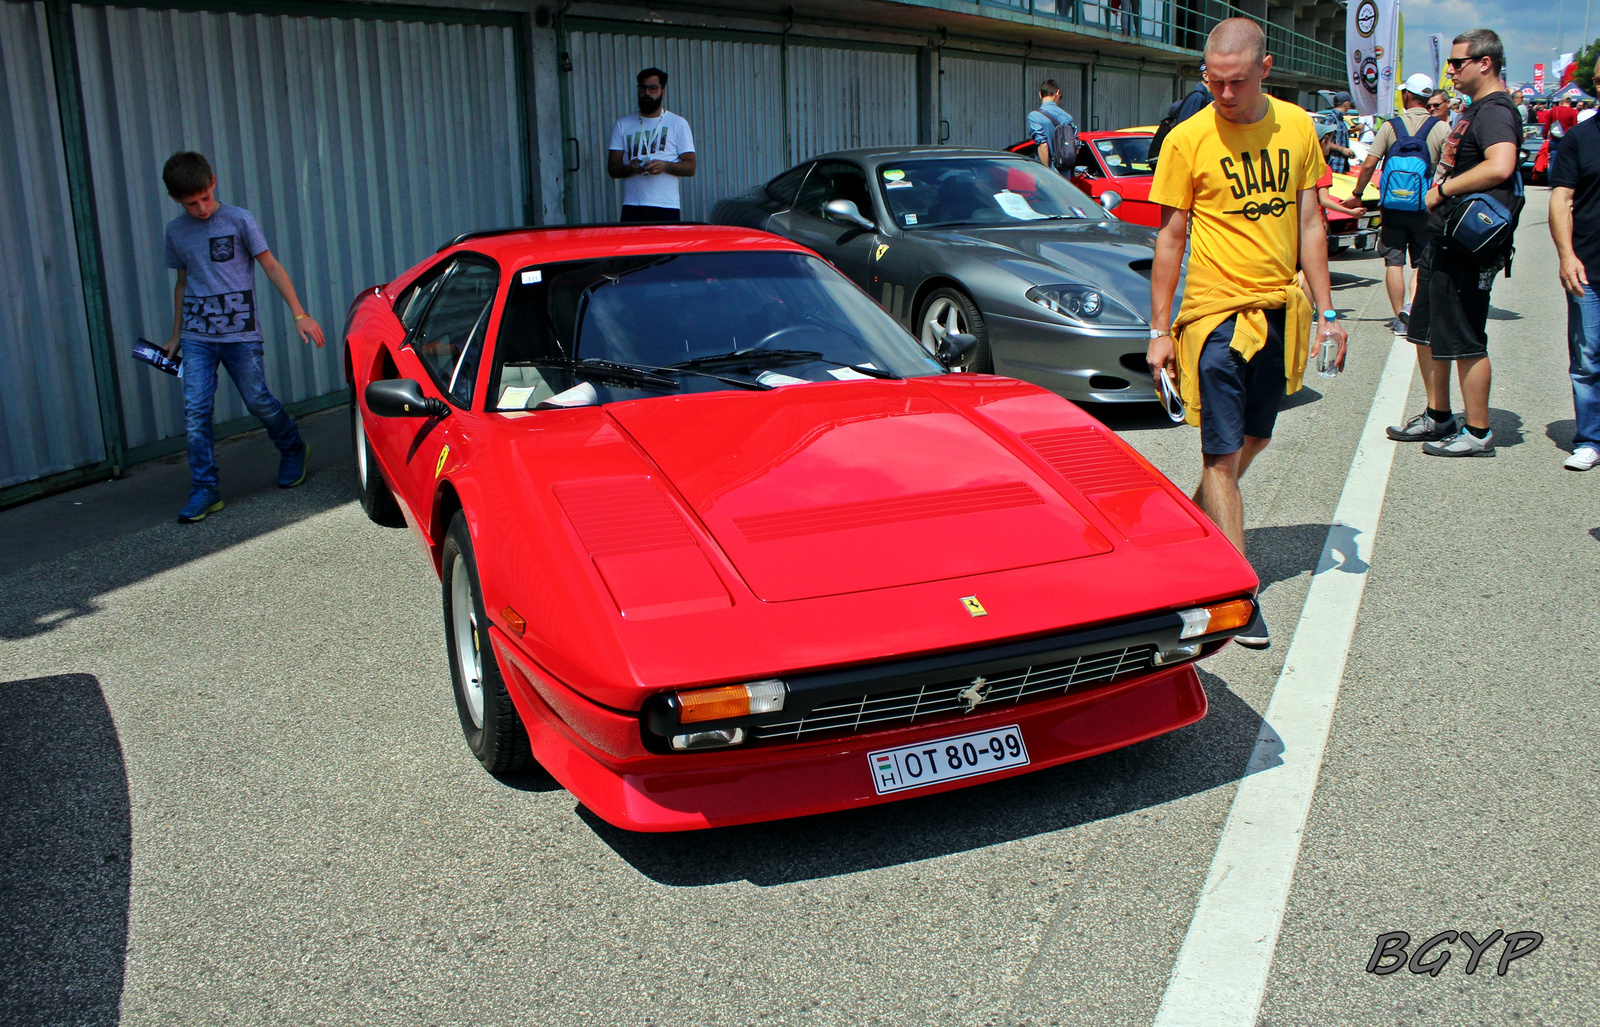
201	503
1255	633
292	467
1423	428
1462	443
1582	458
1404	317
1398	326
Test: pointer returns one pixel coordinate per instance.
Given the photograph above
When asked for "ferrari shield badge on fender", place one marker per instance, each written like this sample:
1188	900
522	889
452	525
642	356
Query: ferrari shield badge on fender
883	248
438	468
974	607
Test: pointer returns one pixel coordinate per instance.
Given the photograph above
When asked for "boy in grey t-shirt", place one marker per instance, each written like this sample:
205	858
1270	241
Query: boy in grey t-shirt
214	247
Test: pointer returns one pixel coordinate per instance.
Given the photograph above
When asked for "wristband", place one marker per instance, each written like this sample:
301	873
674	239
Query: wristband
301	317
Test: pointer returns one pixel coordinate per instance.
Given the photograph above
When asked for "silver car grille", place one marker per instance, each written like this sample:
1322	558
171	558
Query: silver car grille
878	710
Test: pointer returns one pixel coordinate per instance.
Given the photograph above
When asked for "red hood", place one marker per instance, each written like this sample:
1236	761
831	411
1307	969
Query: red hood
847	487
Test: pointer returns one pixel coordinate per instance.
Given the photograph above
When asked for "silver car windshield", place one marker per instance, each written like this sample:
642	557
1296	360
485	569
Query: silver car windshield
980	191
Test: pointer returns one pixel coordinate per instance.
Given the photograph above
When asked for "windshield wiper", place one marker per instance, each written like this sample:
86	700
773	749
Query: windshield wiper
750	357
627	374
872	372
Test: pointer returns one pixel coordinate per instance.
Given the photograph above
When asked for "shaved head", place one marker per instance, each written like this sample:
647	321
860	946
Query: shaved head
1237	37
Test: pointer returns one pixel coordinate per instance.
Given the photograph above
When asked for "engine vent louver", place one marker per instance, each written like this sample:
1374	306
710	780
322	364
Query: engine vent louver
841	516
1089	460
622	515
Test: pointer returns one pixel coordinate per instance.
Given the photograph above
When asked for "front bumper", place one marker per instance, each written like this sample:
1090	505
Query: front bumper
596	753
1096	365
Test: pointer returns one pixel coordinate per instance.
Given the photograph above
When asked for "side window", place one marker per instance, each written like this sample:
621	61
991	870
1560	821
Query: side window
414	300
833	181
450	339
783	188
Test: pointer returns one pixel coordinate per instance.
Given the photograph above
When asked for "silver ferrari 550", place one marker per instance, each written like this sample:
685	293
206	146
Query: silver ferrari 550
1056	289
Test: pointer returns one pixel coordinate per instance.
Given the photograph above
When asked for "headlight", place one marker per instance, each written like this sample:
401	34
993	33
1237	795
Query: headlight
1083	303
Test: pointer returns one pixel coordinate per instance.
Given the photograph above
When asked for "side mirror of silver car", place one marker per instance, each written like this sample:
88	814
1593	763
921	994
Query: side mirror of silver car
1110	199
844	212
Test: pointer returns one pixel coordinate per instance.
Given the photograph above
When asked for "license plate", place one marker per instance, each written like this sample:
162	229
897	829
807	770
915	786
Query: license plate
947	759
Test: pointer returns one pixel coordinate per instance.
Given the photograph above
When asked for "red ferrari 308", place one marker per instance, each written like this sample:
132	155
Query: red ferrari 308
720	542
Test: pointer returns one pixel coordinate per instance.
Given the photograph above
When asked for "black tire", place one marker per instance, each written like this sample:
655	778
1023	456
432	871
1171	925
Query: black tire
493	730
940	304
376	499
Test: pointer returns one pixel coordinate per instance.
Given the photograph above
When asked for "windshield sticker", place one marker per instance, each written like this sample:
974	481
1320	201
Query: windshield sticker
1113	160
532	277
883	248
774	379
893	175
1016	206
582	394
850	374
898	185
515	398
911	219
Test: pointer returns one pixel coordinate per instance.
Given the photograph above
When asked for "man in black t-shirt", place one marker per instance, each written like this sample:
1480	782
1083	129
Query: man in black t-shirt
1451	313
1575	226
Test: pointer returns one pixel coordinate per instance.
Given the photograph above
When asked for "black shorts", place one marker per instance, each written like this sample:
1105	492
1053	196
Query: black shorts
635	212
1451	311
1240	397
1405	231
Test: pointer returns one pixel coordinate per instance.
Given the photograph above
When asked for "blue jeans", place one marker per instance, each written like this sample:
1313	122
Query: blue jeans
1583	348
243	361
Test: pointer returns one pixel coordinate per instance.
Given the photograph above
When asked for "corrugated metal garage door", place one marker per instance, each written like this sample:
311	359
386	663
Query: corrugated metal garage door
360	145
49	418
984	102
1155	96
1116	99
729	90
842	98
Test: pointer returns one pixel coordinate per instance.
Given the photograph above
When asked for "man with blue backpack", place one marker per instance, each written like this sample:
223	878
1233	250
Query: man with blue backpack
1409	146
1053	131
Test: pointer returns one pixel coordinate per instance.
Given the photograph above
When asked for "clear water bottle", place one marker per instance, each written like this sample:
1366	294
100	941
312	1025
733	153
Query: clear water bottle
1327	345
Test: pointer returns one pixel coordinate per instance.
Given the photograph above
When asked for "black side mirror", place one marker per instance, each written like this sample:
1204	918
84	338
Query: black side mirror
402	397
954	347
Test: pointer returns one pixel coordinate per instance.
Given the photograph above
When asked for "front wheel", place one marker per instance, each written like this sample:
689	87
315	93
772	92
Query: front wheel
950	310
376	499
493	730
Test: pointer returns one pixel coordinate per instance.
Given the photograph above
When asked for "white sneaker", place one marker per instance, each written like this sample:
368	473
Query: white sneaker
1582	458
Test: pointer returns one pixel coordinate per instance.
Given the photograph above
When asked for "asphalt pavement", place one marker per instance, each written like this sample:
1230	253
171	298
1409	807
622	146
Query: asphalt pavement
233	788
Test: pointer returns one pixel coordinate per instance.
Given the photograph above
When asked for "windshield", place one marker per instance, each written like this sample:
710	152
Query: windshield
1126	156
590	331
979	191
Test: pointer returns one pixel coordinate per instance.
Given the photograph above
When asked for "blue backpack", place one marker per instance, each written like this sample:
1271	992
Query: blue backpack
1407	168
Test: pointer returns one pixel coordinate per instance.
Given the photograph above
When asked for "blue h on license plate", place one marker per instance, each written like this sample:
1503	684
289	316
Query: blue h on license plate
947	759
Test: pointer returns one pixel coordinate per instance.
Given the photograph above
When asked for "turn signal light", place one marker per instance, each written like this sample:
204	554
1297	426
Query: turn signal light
514	621
726	701
1208	620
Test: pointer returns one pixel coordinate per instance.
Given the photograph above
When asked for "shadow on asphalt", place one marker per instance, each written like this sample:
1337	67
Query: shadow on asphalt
32	603
65	843
1281	552
1301	398
1497	314
1342	280
1206	755
1561	433
1507	427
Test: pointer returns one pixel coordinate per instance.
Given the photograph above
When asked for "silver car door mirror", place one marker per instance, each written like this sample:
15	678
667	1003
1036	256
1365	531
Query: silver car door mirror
845	213
1110	199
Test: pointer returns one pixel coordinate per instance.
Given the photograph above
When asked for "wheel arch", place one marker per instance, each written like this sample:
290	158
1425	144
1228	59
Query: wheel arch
929	284
446	502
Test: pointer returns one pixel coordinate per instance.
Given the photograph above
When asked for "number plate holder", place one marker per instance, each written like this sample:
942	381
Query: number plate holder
906	767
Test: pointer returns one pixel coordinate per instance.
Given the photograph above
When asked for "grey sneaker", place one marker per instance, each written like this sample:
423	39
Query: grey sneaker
1398	326
1404	317
1423	428
1462	443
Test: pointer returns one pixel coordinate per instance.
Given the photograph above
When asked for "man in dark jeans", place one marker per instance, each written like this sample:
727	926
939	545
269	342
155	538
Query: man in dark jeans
1451	314
1575	227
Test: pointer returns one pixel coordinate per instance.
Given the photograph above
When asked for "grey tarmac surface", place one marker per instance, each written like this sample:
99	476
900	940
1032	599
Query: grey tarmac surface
233	789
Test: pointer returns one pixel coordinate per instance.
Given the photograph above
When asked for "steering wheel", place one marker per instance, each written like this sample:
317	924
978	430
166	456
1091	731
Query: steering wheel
790	330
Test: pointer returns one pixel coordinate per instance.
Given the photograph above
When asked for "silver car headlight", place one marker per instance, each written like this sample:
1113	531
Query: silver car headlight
1083	303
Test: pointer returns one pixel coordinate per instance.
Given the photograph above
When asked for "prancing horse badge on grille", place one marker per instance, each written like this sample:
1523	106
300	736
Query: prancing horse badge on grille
974	694
974	607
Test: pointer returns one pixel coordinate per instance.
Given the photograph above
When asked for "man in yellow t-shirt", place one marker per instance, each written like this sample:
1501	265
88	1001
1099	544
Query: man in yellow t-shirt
1238	181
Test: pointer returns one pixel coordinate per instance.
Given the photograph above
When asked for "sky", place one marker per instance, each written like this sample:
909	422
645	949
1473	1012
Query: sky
1528	28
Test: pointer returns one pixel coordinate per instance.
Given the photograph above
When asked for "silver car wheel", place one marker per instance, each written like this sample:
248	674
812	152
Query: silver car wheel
361	446
942	318
464	632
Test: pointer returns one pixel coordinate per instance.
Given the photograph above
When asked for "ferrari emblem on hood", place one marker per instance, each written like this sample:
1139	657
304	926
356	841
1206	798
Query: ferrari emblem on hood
974	607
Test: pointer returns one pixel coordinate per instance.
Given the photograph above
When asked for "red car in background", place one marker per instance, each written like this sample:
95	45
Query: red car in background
718	541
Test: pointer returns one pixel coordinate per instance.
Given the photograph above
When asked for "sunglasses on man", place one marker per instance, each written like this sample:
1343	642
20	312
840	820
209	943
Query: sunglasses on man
1455	63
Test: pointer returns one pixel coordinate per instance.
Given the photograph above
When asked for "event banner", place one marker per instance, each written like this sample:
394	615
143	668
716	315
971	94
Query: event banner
1438	49
1373	34
1538	79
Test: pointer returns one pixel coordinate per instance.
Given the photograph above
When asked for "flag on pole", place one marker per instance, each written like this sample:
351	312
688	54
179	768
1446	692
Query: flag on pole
1373	32
1538	79
1438	47
1566	67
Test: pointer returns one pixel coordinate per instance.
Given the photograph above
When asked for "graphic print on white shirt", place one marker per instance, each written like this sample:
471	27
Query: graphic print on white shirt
641	140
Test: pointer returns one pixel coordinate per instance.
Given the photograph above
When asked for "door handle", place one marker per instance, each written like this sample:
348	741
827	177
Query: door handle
577	155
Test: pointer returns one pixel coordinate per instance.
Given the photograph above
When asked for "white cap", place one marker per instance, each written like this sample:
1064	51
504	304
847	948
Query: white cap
1418	84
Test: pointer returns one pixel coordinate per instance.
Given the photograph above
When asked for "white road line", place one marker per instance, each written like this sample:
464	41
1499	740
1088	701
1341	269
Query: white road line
1221	972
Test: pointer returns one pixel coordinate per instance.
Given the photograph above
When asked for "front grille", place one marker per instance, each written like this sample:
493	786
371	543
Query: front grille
905	706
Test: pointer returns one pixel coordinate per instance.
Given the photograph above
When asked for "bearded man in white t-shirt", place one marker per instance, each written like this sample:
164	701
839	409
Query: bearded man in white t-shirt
650	151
